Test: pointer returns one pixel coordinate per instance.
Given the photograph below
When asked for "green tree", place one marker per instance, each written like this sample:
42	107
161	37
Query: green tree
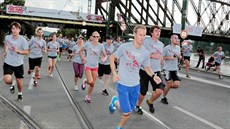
14	2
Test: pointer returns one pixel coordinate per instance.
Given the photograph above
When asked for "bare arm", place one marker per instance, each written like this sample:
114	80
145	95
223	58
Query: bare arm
4	51
80	53
149	71
113	69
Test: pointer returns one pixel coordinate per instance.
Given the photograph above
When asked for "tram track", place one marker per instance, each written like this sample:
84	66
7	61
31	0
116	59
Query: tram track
26	118
83	120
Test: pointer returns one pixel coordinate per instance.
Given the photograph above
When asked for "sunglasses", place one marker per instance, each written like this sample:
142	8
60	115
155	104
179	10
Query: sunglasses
96	36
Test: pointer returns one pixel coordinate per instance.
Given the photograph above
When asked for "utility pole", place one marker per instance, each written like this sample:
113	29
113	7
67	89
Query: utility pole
184	14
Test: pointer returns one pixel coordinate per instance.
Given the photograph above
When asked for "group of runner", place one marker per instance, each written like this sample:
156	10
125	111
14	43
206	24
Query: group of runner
140	62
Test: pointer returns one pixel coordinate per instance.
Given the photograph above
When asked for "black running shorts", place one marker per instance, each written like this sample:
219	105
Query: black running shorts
17	70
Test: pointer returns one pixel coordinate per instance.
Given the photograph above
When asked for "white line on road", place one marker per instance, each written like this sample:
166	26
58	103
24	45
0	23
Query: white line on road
30	87
198	118
145	112
27	109
204	81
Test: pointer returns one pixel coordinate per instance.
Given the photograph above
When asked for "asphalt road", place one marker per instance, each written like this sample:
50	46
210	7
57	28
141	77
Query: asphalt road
202	102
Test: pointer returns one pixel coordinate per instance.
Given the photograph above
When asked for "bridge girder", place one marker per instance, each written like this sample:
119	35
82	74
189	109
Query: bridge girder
211	15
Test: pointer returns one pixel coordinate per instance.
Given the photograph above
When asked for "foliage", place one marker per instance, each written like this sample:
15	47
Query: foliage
14	2
69	32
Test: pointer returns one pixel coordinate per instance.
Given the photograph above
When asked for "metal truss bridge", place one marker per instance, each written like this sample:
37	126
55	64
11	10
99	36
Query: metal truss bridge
211	15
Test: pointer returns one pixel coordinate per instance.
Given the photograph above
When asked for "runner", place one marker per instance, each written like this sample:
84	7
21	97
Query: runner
170	54
36	46
132	56
15	47
218	57
154	46
93	52
187	49
78	65
53	49
104	68
60	41
70	47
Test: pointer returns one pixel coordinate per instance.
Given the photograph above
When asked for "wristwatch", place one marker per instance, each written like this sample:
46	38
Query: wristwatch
153	75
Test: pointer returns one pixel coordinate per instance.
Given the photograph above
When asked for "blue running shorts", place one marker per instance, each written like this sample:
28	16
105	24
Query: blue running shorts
128	97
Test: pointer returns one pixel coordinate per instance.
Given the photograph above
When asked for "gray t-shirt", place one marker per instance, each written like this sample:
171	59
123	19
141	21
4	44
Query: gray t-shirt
71	44
109	49
187	50
116	45
77	58
53	46
218	56
36	46
169	50
60	41
131	60
154	48
12	58
93	53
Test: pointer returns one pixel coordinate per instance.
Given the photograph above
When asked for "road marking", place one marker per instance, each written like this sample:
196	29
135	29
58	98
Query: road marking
204	81
31	83
155	119
198	118
145	112
27	109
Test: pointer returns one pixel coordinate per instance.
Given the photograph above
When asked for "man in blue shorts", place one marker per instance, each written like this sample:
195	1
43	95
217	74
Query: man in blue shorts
131	57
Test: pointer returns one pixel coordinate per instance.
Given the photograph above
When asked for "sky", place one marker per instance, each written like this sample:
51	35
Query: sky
71	5
68	5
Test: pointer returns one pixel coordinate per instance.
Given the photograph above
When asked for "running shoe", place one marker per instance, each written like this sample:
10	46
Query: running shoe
221	77
151	108
112	105
139	110
83	86
104	92
76	88
12	89
51	75
118	127
87	99
20	98
35	83
187	76
164	100
29	72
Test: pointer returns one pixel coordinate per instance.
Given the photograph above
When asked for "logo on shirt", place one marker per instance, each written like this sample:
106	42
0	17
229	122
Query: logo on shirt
133	63
93	52
37	44
157	51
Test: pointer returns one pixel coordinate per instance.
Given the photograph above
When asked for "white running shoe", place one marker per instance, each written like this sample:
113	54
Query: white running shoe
76	88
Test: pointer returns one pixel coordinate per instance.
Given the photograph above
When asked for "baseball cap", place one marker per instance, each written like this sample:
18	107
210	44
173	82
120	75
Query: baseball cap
80	36
109	37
